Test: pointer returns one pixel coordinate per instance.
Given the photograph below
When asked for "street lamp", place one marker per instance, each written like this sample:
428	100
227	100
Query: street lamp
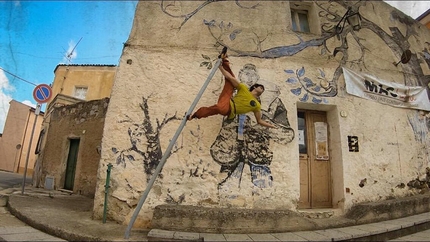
352	17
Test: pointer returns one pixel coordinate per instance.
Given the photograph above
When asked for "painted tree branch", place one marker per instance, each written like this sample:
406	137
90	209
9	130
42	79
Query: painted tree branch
145	141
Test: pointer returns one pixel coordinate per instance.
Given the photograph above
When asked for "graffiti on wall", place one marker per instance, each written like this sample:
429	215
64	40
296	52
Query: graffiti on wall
353	143
144	141
253	148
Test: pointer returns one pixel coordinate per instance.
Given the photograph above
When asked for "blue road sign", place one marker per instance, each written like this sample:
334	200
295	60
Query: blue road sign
42	93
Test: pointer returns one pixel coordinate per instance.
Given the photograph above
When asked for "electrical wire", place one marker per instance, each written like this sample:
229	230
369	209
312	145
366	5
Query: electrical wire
22	79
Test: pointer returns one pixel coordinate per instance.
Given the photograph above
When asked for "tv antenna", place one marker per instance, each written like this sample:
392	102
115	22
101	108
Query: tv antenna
69	55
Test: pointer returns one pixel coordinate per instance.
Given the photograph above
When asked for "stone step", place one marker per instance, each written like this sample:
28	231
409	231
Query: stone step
380	231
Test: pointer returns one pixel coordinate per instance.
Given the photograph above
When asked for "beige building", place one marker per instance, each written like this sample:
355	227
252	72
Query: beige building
15	140
82	82
349	97
425	18
73	128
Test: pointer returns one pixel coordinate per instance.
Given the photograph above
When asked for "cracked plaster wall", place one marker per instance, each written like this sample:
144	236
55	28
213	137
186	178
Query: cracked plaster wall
161	71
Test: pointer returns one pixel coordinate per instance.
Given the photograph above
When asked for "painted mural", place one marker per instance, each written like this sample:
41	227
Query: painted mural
144	141
316	90
241	142
225	33
307	89
252	149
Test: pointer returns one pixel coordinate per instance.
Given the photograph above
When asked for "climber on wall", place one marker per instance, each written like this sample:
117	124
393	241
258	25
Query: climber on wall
243	102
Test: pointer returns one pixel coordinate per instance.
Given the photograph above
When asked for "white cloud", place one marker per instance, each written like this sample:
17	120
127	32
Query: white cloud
4	98
29	103
411	8
71	53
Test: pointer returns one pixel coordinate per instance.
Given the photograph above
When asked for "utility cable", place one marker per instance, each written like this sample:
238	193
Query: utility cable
18	77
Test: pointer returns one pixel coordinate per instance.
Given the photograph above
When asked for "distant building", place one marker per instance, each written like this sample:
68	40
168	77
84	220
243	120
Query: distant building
15	140
425	18
73	127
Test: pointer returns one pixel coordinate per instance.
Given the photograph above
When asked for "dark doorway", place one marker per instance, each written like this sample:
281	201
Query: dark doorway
72	159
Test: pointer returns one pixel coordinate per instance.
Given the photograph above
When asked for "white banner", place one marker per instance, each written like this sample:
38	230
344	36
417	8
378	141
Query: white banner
394	94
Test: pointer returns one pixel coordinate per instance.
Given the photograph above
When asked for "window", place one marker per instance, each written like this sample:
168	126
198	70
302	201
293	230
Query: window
81	92
299	20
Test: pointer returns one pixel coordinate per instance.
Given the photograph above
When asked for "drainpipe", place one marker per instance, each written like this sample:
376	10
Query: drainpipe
106	191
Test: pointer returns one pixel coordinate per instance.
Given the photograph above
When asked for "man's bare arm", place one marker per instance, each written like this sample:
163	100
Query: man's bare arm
229	77
262	122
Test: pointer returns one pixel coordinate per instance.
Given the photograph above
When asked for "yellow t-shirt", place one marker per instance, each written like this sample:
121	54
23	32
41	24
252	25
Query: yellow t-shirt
243	102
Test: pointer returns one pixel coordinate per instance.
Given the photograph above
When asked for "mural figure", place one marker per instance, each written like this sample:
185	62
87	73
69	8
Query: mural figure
228	105
253	148
144	141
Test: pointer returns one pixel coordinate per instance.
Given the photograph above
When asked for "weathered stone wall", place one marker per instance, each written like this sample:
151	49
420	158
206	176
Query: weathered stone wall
168	57
83	121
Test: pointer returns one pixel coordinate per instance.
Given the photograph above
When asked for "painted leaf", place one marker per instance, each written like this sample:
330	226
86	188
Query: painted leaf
296	91
301	72
316	100
204	63
221	25
206	57
309	82
209	23
119	160
229	25
317	88
305	98
289	71
234	34
323	51
322	73
210	65
291	80
130	157
114	150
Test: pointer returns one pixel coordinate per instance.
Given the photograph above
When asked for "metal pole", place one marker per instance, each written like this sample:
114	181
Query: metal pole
106	191
36	112
169	148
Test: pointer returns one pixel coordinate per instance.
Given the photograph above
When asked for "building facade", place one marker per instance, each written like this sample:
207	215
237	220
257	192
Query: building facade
424	19
15	140
73	127
349	98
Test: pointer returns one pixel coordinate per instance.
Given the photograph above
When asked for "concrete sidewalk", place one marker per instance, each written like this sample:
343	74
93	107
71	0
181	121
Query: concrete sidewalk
13	229
64	215
69	217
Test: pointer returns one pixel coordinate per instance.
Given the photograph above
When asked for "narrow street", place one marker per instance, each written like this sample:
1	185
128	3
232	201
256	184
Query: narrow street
11	228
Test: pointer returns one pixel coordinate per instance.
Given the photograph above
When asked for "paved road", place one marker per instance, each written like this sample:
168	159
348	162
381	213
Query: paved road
11	228
9	179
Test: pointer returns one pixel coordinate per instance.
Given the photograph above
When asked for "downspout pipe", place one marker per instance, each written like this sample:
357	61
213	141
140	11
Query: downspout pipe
106	191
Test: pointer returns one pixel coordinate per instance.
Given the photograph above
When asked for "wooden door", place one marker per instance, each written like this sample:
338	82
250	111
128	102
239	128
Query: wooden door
315	177
72	159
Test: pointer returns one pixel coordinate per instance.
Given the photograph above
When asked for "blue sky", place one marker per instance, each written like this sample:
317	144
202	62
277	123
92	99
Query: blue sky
35	36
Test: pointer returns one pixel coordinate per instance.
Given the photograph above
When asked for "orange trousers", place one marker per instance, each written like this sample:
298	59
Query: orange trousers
223	105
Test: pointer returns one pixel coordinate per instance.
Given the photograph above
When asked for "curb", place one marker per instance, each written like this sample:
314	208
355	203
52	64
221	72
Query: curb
4	199
379	231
